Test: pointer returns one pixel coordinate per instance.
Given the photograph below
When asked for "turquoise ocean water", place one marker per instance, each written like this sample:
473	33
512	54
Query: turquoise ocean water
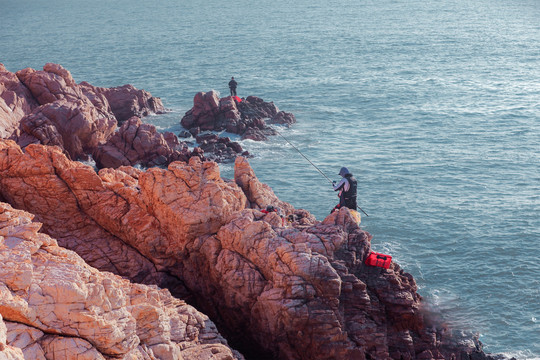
434	106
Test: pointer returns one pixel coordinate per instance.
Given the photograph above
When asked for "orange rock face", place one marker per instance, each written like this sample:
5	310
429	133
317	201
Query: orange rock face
290	291
54	305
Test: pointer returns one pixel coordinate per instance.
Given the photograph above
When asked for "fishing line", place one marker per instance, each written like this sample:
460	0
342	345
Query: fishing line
319	170
304	156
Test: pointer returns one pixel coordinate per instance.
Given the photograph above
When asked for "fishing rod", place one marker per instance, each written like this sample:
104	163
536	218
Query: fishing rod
319	170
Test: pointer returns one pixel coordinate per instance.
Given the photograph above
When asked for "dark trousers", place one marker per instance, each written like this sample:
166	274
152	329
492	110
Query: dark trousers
233	91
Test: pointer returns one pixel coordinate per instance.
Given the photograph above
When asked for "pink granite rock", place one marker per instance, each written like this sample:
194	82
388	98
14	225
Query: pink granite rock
56	205
51	84
75	126
77	118
136	143
204	111
96	97
56	306
255	107
258	194
16	101
291	291
246	118
283	118
124	101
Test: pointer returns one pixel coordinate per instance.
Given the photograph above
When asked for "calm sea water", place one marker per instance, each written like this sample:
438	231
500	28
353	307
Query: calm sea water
434	106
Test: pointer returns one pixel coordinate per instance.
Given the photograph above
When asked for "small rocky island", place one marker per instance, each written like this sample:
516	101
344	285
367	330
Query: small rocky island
172	261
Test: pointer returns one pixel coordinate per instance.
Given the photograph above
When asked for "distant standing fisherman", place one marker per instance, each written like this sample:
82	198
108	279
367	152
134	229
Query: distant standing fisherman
232	86
347	190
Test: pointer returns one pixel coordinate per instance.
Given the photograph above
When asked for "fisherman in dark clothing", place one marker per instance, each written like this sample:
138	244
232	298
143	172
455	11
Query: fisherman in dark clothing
347	190
232	86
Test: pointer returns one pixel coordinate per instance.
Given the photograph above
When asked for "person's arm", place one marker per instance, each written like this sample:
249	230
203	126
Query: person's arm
340	185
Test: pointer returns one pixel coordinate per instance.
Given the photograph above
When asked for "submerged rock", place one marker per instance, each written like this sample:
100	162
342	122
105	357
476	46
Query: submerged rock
273	288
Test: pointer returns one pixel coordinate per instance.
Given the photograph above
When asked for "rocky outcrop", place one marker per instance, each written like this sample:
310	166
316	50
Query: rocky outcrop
56	83
290	290
125	101
53	305
75	126
48	107
136	143
249	117
51	196
51	84
16	101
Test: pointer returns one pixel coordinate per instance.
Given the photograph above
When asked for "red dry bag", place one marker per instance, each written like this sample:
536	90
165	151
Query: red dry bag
380	260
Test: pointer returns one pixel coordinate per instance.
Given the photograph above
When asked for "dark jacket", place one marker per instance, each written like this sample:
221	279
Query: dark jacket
233	84
347	197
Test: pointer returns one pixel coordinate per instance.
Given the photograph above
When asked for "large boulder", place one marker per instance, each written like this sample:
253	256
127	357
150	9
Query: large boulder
51	84
76	126
16	101
255	107
204	111
124	101
136	143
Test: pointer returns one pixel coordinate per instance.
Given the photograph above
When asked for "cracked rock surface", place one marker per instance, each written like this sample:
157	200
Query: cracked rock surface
54	305
274	289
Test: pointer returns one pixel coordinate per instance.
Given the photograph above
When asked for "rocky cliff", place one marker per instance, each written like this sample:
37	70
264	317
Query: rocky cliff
55	306
274	289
